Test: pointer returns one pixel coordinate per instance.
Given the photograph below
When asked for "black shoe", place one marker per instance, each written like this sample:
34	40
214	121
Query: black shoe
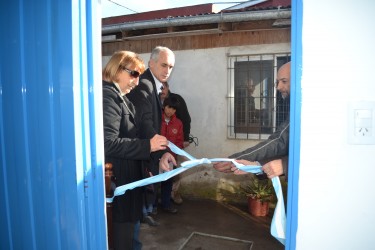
149	220
171	210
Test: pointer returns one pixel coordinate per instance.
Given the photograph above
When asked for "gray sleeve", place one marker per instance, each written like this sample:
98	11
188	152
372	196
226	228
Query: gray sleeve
276	146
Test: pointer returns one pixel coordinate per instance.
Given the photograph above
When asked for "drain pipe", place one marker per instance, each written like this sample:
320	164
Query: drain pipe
196	20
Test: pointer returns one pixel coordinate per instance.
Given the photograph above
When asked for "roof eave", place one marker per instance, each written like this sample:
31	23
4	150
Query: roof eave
196	20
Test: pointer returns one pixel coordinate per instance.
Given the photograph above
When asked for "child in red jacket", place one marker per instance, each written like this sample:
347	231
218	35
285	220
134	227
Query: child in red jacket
172	129
171	126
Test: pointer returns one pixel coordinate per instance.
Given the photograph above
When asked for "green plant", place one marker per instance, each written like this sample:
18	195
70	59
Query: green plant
259	189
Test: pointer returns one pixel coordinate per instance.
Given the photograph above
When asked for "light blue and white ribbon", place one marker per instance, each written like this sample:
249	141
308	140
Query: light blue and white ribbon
278	224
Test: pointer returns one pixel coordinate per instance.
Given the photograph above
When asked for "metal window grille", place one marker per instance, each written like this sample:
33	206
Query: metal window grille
255	106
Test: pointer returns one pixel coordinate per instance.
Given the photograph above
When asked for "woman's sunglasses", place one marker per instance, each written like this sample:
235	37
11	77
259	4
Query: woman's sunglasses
133	73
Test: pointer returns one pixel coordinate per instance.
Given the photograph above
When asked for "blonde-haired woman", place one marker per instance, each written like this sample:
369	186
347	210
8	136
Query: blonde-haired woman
122	146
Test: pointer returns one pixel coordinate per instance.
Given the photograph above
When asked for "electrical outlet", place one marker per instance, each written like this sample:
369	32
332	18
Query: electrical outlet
365	132
361	122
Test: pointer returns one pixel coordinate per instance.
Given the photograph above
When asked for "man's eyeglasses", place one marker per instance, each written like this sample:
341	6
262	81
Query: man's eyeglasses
133	73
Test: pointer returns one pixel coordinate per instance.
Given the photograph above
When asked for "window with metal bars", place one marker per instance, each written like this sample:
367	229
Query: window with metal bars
255	106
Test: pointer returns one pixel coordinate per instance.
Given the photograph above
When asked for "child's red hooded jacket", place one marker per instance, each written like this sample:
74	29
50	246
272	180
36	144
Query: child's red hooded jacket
173	130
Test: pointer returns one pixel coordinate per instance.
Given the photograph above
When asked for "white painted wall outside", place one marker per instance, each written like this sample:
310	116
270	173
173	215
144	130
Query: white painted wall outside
201	77
336	182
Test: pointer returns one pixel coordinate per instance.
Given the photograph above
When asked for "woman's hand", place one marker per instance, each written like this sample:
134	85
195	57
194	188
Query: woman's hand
158	142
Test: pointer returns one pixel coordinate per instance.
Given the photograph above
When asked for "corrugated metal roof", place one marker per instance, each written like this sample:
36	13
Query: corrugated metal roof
273	3
196	10
201	9
245	4
259	5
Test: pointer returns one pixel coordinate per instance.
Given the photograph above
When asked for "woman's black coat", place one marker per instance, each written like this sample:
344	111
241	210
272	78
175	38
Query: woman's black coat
125	151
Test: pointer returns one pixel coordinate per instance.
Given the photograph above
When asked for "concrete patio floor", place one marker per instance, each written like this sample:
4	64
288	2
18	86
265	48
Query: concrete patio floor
208	217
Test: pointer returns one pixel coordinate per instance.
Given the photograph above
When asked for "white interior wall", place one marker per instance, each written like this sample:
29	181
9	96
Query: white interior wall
336	200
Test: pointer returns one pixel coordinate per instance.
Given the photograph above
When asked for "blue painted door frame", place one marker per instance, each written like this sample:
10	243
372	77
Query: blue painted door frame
51	155
295	125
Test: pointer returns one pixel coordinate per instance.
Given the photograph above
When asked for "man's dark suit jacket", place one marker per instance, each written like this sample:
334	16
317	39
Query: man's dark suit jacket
148	110
148	106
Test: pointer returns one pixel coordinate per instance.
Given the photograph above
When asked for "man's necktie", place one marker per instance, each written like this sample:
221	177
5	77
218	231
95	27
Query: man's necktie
161	89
